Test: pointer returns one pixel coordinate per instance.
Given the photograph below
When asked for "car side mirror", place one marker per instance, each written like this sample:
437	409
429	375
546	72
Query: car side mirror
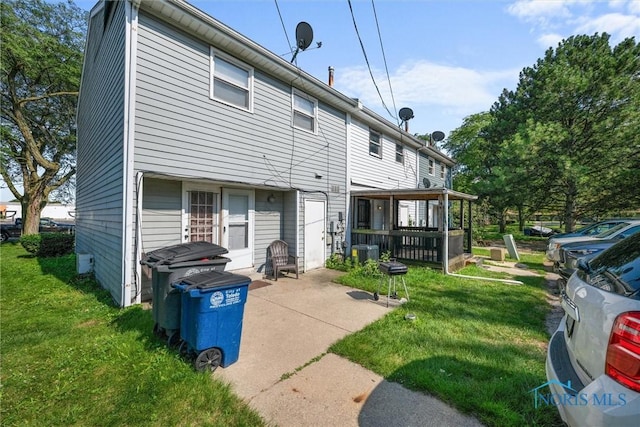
584	265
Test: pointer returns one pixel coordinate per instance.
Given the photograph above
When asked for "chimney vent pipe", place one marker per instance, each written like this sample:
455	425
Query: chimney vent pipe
330	76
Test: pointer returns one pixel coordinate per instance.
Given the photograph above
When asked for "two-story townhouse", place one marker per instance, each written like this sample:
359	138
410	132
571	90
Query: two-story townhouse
189	131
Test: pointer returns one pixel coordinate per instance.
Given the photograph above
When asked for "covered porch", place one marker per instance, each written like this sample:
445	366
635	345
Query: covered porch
431	225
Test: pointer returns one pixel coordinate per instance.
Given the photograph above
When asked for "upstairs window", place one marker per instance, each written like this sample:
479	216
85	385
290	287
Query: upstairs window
375	149
399	153
231	83
432	166
443	170
305	112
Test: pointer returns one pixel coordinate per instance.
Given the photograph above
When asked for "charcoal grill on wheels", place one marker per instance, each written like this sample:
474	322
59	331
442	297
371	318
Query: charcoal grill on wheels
389	272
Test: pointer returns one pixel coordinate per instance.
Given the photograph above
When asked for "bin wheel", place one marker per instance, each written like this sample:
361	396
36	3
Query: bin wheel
208	360
174	339
183	348
157	331
376	296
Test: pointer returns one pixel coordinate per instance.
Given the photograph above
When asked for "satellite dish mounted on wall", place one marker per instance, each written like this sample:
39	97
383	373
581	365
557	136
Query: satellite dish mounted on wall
405	115
426	182
304	37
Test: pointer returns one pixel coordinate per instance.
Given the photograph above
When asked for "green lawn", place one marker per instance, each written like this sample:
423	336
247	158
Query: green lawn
478	345
70	357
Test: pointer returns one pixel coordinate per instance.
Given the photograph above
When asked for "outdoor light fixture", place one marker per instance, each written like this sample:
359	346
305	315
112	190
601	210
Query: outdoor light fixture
271	198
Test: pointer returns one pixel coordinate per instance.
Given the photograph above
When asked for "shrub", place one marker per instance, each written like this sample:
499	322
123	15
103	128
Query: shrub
31	242
56	244
48	244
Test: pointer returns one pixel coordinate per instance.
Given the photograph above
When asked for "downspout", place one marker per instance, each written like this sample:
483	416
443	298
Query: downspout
131	16
445	249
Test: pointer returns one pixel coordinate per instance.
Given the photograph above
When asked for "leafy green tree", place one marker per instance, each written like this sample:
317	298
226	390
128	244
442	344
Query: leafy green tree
577	110
41	62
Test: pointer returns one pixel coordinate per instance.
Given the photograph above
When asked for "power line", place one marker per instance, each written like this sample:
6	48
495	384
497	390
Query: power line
367	60
284	28
384	57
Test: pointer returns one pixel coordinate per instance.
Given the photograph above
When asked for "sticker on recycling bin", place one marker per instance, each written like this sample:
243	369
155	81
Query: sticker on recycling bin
229	297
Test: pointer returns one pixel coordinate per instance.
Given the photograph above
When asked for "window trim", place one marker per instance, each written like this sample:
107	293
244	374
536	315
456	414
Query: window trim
431	164
443	170
296	93
250	79
378	143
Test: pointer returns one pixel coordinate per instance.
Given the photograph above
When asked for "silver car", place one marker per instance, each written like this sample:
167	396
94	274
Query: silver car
623	229
593	361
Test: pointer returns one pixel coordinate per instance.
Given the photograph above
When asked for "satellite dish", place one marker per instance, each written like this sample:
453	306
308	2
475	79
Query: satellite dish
405	114
304	35
437	136
426	183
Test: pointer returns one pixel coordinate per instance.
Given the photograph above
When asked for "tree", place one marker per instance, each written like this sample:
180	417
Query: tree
577	110
41	62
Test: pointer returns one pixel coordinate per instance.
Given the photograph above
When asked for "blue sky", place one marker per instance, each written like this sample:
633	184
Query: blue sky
446	59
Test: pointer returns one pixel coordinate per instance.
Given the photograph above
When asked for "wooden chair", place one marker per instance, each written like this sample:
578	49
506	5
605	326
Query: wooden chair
281	260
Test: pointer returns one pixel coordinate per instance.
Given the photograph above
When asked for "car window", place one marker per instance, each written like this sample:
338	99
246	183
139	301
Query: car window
617	269
603	227
631	231
612	231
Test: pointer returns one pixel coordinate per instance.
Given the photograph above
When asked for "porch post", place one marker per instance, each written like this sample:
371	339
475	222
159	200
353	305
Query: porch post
469	234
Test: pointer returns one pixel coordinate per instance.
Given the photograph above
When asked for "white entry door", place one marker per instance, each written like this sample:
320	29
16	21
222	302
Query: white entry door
314	238
237	227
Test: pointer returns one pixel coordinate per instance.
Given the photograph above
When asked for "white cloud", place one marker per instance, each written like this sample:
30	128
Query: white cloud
421	84
619	26
539	12
549	40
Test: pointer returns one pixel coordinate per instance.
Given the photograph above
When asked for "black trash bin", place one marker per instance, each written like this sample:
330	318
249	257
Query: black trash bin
212	316
169	265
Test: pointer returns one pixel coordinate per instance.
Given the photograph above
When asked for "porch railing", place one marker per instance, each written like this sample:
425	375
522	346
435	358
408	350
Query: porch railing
411	243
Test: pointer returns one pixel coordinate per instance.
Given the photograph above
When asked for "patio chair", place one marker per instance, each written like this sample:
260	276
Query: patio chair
281	260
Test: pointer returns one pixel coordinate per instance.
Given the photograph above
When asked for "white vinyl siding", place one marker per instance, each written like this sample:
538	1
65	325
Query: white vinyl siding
304	112
231	82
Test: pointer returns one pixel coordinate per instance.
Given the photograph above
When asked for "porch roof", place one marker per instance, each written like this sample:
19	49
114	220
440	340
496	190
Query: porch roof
413	194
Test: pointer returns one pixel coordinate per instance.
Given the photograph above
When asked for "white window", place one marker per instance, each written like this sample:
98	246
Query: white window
231	82
432	170
442	171
375	149
399	153
305	112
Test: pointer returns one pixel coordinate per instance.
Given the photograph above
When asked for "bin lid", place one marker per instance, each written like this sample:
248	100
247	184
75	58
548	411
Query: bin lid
183	252
213	279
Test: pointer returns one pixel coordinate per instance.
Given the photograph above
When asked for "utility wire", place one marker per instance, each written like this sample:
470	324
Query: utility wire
367	60
284	28
384	57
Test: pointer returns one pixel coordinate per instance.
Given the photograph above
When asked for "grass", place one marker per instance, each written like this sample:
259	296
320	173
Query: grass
478	345
70	357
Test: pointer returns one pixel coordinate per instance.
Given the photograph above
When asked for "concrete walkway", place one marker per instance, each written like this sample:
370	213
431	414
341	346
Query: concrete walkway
285	373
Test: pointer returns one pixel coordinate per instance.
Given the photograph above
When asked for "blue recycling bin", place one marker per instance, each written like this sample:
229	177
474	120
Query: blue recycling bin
169	265
212	315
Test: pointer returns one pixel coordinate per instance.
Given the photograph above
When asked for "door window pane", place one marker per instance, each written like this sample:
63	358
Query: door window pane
203	217
238	222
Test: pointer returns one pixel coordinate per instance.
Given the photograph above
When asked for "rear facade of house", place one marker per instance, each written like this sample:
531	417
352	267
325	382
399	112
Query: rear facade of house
188	131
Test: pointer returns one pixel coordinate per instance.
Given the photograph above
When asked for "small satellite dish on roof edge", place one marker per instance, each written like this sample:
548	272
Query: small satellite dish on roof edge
405	114
304	37
437	136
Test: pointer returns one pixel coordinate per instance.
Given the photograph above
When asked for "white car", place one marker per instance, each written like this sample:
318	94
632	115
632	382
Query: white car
593	360
621	230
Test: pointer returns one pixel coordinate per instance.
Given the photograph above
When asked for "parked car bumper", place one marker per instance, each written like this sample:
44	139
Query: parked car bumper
602	402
